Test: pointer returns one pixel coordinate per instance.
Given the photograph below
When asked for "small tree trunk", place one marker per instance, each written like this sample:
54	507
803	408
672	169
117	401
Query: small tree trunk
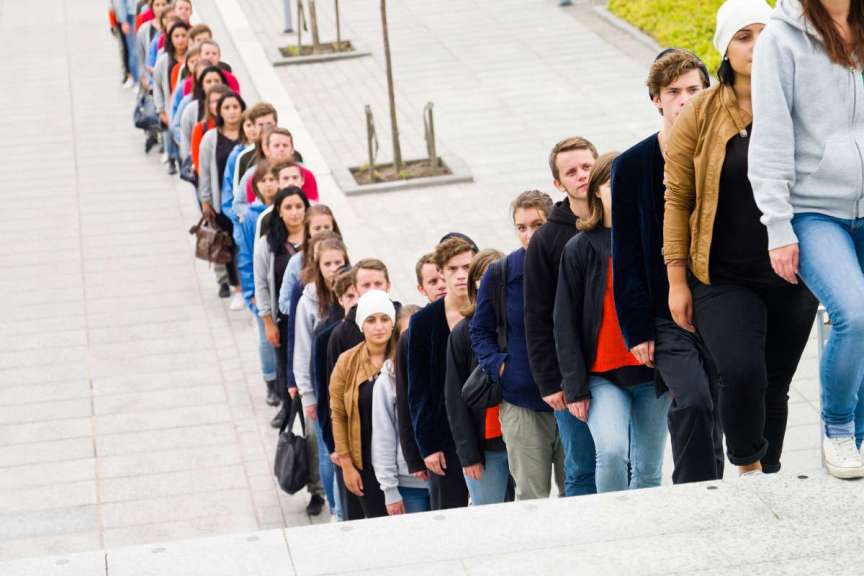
301	23
338	27
391	91
313	23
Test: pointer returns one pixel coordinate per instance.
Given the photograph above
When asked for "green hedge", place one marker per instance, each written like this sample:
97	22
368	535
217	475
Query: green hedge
680	23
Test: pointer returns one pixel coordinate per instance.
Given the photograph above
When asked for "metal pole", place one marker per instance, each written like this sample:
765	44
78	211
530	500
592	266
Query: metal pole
429	124
289	25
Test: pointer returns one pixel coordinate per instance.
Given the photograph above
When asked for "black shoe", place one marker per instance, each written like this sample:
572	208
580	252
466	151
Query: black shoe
224	291
279	420
152	140
315	506
172	167
272	397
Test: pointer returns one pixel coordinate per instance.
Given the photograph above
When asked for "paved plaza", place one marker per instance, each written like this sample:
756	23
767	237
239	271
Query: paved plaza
131	404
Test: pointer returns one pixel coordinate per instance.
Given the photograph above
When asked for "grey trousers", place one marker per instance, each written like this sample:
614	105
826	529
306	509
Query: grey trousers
533	451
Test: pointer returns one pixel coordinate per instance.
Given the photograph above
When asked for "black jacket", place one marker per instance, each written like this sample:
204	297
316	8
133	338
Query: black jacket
344	337
428	334
541	280
403	415
468	425
640	283
579	312
321	375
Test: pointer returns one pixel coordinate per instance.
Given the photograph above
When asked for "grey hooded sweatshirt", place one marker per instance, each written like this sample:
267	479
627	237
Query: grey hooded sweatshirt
808	127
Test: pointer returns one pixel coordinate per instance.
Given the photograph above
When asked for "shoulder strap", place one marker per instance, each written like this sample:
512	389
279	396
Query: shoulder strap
500	302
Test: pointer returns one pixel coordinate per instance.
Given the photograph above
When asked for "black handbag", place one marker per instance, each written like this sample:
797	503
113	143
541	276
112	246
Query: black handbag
187	171
145	116
291	465
482	390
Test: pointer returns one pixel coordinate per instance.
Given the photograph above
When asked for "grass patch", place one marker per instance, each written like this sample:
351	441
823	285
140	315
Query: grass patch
680	23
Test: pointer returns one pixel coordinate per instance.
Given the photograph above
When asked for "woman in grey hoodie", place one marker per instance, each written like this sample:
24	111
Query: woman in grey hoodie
806	165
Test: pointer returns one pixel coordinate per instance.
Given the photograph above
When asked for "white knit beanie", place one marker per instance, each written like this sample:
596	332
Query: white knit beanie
734	15
374	302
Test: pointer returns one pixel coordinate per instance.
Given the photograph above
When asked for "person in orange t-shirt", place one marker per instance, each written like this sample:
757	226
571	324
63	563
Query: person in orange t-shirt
604	384
476	431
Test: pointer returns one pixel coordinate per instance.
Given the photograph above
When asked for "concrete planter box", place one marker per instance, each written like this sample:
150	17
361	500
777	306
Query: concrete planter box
277	59
460	174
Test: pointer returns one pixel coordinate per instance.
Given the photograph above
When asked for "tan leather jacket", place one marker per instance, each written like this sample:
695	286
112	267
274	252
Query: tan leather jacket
695	155
353	368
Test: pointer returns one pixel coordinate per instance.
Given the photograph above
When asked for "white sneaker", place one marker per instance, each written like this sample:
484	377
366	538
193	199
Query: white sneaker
164	158
128	84
841	458
237	302
750	474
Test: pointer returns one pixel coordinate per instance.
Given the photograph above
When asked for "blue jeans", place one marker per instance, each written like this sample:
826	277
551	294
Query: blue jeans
579	456
415	499
325	468
492	486
266	352
629	430
132	50
832	266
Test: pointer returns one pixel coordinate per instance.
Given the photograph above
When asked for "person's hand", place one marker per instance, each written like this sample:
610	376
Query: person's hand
311	412
271	330
396	508
334	458
421	475
163	116
644	353
475	471
145	83
681	306
292	392
353	481
124	26
208	212
436	463
556	401
501	370
579	409
784	261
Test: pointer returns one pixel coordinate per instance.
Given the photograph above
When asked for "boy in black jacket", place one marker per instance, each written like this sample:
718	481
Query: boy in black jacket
428	334
640	283
570	161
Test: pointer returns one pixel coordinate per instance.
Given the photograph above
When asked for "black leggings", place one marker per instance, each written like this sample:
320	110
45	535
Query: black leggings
756	337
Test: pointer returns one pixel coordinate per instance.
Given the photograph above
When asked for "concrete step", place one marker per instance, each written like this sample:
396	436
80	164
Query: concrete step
782	524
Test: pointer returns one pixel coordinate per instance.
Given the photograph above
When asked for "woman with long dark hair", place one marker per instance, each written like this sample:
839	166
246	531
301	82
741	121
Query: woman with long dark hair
806	169
216	146
721	283
176	43
194	111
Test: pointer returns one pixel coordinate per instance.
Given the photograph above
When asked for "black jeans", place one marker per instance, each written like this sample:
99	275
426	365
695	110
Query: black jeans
450	490
225	223
684	367
756	337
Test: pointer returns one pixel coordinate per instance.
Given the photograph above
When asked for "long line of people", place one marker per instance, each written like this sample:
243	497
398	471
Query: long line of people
650	299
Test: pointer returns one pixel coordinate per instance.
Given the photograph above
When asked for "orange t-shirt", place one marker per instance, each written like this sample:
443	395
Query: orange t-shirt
195	142
175	72
612	352
493	424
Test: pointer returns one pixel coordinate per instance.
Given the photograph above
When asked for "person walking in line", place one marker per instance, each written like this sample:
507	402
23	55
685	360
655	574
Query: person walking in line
604	384
244	242
405	491
806	171
476	431
682	364
570	161
352	389
428	334
528	425
216	146
313	308
721	283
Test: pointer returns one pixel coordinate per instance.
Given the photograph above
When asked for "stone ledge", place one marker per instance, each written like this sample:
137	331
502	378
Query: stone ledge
778	524
460	174
277	59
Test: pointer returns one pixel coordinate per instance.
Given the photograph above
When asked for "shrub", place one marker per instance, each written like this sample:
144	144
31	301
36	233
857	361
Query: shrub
680	23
